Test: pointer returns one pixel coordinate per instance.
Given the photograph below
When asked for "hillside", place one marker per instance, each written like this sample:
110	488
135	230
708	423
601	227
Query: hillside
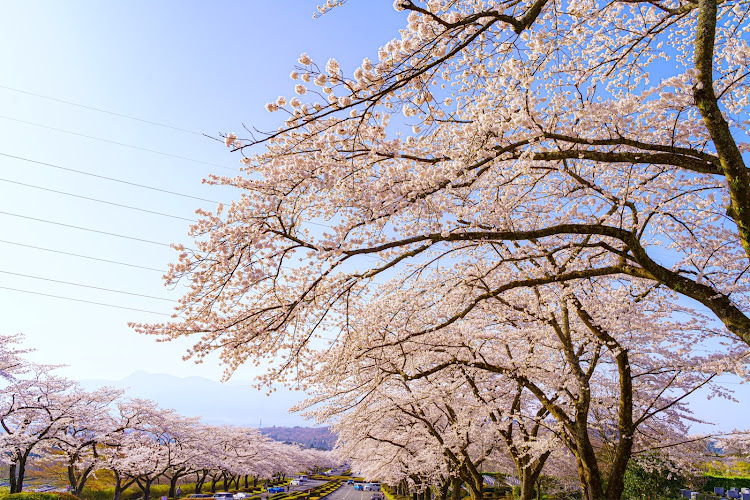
311	437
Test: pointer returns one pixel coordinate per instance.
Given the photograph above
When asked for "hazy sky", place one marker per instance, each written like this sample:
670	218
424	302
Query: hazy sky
203	67
206	67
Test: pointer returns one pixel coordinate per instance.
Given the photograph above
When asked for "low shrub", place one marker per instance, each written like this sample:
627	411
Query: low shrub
40	496
725	482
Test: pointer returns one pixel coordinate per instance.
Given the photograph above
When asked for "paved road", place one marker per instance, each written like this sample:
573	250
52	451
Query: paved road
347	492
310	483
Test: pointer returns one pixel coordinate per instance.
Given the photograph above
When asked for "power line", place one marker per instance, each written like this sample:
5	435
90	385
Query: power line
87	286
96	200
52	165
87	229
121	115
81	300
116	142
83	256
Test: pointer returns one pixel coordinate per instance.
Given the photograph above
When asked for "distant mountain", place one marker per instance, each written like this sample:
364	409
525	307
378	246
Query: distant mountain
234	402
310	437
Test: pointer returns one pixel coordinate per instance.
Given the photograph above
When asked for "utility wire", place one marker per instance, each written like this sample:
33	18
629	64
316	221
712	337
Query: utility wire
52	165
82	256
87	229
116	142
101	110
81	300
96	200
87	286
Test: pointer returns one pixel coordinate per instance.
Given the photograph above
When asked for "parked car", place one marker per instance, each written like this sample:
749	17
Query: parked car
276	489
241	495
223	495
199	495
372	487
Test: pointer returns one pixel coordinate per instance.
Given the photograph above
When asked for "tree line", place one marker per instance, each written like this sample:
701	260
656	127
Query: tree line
48	418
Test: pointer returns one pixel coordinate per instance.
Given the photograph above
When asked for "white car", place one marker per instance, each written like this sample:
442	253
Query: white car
241	496
295	482
372	487
223	495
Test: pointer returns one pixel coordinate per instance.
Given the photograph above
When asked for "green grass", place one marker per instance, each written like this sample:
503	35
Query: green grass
39	496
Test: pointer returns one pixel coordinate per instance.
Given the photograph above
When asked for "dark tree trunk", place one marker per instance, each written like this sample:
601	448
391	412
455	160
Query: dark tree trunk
145	487
529	476
12	478
17	473
173	484
456	483
118	486
200	479
77	483
444	489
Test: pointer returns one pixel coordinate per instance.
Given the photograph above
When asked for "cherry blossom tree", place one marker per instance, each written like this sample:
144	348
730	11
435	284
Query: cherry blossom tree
534	127
605	364
11	359
83	439
143	443
33	412
553	192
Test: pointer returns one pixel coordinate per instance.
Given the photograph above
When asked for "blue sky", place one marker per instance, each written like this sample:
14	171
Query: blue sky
205	67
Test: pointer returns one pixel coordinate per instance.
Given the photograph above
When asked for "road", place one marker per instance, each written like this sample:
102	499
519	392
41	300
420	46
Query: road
347	492
310	483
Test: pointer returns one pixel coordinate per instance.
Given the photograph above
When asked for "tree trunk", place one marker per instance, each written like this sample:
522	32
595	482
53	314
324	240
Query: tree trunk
456	483
473	479
173	485
625	428
145	487
200	479
588	467
527	486
529	476
18	473
444	489
12	478
77	483
118	486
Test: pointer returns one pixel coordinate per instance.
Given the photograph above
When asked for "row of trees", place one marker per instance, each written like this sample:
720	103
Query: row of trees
47	418
524	229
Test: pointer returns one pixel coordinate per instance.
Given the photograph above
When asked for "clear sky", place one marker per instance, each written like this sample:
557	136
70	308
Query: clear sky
204	67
